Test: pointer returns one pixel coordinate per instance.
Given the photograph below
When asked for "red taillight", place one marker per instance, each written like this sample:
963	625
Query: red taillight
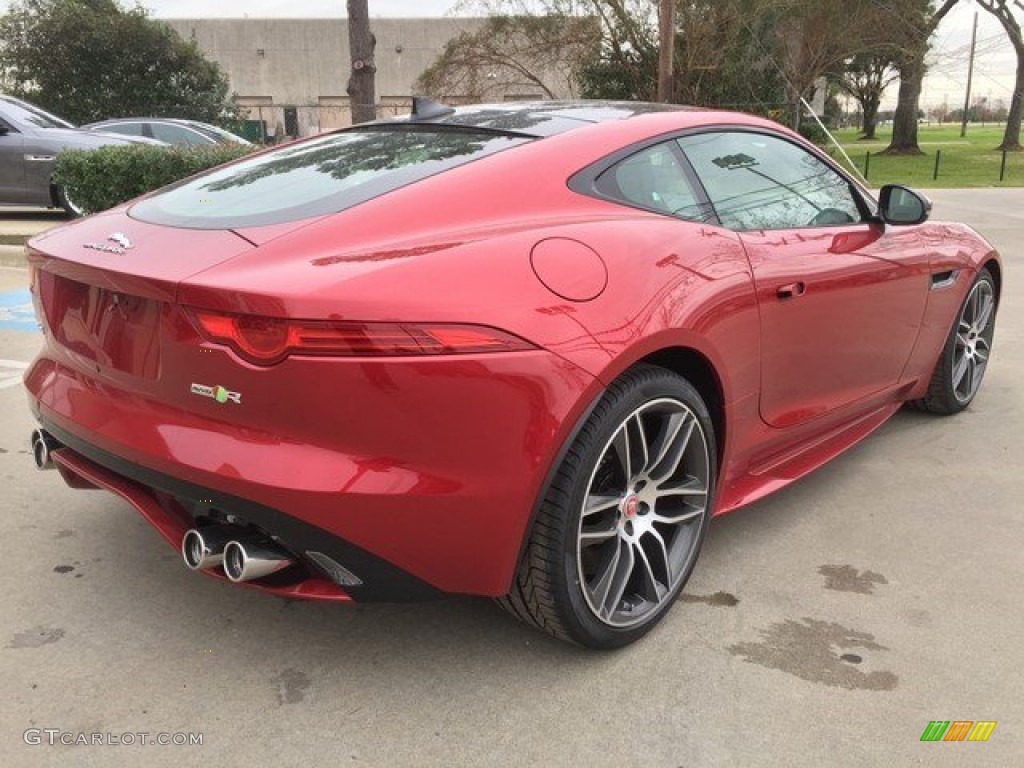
268	340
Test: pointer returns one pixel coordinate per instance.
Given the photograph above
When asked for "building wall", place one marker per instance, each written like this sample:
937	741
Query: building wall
303	65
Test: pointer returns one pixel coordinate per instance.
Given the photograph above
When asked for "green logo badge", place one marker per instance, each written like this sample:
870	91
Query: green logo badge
218	393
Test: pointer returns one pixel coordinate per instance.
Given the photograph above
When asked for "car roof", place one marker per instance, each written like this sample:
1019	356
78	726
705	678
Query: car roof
115	120
532	118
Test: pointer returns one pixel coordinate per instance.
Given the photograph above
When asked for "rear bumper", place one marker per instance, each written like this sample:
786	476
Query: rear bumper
171	521
428	511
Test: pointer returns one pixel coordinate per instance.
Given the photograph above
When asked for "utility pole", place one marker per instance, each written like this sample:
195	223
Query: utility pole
666	48
362	97
970	76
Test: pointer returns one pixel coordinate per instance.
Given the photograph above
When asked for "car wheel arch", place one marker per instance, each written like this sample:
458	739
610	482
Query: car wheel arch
696	368
995	269
686	361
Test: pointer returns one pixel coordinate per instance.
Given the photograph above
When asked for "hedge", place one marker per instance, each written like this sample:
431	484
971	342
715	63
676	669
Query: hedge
97	179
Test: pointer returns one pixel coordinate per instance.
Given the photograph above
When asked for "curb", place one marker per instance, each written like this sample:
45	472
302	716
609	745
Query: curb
12	256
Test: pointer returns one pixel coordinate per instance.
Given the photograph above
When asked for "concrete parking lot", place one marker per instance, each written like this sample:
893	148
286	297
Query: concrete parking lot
826	625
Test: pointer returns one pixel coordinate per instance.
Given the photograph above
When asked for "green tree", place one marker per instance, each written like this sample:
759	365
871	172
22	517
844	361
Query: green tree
625	64
756	55
865	77
721	59
1009	13
912	23
91	59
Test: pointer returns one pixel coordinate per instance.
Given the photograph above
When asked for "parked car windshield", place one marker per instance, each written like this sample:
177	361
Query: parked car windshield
20	111
316	177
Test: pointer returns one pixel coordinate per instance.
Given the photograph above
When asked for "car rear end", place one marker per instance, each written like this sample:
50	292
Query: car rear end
320	456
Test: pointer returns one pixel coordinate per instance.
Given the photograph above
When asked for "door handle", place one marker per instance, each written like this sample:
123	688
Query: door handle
791	290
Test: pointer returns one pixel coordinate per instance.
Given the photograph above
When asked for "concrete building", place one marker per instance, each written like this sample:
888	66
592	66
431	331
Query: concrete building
291	74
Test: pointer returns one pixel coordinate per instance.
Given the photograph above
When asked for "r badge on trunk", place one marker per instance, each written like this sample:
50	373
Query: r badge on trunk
217	393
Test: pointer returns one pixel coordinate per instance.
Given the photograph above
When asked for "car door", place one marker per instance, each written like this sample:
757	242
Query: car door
841	297
12	164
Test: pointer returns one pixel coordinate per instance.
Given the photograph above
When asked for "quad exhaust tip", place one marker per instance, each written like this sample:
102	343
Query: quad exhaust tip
43	444
248	560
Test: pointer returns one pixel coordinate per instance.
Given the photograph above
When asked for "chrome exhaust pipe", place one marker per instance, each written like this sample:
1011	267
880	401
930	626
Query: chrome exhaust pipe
204	547
247	560
43	444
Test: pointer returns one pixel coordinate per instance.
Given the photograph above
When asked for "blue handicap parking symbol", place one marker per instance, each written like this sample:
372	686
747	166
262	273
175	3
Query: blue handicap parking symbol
16	311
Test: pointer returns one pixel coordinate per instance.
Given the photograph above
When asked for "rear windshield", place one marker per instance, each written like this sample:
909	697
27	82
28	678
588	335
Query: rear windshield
316	177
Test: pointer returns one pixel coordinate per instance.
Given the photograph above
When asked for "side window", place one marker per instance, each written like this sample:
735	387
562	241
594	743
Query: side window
654	179
762	182
176	134
127	129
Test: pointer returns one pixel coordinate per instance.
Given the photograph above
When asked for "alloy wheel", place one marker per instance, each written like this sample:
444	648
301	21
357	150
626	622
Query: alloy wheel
642	514
973	341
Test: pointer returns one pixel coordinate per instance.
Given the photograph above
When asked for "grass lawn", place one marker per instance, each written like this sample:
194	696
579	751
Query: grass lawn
968	162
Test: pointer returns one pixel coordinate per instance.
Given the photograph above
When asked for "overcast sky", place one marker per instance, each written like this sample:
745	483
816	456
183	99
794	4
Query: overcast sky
994	68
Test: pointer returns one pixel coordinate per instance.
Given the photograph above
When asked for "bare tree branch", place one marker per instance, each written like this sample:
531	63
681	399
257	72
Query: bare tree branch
1003	11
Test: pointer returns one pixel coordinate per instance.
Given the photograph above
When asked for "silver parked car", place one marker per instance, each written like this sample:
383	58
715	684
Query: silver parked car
191	133
30	139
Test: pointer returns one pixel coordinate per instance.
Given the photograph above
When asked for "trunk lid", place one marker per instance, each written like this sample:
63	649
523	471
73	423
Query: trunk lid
122	254
106	287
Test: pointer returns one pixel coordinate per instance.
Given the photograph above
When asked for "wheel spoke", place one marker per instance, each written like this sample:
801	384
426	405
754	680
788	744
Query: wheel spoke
667	435
650	582
599	591
685	515
691	486
959	370
979	371
619	579
971	366
596	503
595	534
981	321
661	555
620	444
672	456
637	445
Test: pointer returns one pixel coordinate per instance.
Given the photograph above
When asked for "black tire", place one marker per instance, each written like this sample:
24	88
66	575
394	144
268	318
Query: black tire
946	391
551	590
71	208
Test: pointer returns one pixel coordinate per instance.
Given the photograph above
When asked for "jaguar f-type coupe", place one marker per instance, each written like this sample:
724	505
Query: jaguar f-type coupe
523	351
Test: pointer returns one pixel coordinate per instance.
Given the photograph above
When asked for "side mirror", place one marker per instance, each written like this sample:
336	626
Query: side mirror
901	206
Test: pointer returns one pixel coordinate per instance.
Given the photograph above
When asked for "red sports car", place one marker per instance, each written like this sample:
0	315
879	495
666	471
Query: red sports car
523	351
